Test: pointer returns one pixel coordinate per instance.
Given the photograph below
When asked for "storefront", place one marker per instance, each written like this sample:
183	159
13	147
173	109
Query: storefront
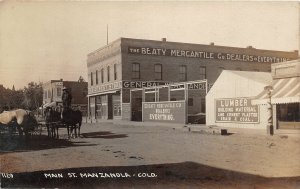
257	100
285	95
126	64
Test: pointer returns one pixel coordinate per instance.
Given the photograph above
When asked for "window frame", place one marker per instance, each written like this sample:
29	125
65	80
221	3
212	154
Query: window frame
136	74
102	75
182	73
108	73
158	73
115	72
203	74
97	77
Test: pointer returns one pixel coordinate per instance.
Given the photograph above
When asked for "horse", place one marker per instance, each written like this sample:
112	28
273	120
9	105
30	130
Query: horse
52	118
21	119
71	118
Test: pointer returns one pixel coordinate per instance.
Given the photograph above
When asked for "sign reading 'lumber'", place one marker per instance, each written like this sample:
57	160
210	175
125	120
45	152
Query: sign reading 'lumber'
236	110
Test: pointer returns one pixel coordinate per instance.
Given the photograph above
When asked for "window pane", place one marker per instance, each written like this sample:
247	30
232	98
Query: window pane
96	76
135	70
202	72
158	71
58	91
102	76
115	72
108	73
182	73
157	68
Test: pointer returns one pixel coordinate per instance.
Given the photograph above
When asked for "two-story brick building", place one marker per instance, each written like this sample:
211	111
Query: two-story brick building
117	68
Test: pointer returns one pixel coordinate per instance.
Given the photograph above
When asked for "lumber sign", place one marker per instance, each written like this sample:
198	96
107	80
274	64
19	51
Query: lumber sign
236	110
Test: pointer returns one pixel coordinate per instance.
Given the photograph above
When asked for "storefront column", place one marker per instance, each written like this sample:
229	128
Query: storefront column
88	109
186	98
169	93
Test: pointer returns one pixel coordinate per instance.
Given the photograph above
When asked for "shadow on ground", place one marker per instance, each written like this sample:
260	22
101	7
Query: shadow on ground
179	175
35	142
103	134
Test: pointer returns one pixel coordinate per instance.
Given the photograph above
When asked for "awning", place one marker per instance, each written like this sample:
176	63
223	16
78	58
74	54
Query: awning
285	91
102	93
50	104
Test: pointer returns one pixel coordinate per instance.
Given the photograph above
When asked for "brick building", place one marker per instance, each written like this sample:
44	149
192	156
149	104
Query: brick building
52	93
117	68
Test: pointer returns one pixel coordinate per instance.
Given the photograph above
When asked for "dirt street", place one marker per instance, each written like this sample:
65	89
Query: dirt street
127	156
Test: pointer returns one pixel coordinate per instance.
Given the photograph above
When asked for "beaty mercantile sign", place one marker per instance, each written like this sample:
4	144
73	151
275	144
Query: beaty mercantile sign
171	112
204	55
236	110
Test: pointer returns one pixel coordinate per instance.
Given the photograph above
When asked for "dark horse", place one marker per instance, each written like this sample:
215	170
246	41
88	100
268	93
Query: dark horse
52	119
72	118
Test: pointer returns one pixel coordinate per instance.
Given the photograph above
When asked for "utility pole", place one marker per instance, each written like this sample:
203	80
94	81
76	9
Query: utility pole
106	34
270	127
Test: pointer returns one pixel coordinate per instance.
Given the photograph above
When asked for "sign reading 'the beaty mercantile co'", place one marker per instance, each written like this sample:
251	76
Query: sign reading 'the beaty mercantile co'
204	55
171	112
236	110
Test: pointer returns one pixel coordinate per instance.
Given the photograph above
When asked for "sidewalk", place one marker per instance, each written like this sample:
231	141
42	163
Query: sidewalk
200	128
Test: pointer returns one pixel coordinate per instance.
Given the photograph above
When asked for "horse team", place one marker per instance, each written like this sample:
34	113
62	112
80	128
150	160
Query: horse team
25	122
55	119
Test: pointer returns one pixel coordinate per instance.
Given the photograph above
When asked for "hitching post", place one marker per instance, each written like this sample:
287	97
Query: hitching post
270	128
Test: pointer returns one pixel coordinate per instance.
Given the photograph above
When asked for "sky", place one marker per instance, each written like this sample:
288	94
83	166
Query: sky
47	40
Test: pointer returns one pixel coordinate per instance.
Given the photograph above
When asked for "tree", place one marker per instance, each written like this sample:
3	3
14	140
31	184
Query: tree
10	99
33	96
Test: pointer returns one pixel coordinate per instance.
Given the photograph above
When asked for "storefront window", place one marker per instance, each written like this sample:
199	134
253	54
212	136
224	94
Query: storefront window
98	107
116	105
288	112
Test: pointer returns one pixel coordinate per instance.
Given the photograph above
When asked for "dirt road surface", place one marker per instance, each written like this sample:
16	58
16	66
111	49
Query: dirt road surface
107	155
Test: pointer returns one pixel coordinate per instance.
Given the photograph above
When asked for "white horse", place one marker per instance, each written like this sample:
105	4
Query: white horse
23	119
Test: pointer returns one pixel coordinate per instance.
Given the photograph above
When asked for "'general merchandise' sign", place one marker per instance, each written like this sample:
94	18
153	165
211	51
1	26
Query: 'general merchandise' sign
172	112
236	110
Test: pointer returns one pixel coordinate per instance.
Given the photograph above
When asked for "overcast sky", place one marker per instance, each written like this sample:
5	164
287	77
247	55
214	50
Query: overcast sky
40	41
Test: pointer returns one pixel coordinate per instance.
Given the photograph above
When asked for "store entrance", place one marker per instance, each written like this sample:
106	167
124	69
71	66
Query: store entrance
288	116
136	105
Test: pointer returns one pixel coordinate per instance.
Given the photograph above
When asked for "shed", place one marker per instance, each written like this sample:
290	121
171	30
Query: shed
229	101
